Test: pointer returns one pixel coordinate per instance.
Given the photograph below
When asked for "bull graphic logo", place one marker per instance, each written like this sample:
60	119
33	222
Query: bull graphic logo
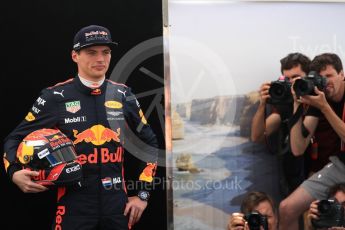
97	135
148	172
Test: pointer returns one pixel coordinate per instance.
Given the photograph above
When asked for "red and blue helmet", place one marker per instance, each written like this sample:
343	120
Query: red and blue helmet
52	154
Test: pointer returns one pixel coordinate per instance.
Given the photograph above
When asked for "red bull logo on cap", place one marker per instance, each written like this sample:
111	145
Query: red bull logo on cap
97	135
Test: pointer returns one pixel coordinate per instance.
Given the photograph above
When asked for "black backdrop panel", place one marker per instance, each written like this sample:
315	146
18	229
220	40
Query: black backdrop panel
36	38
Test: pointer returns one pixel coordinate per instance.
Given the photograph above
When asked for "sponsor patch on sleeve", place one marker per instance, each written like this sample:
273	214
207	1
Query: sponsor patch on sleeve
6	162
148	172
30	117
143	119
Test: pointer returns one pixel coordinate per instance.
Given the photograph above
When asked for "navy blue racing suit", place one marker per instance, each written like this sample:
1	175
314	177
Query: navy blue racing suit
99	122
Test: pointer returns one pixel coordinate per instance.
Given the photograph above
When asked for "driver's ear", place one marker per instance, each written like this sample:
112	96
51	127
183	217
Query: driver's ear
75	56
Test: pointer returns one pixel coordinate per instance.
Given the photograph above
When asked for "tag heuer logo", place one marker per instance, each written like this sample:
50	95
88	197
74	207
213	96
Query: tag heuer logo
73	106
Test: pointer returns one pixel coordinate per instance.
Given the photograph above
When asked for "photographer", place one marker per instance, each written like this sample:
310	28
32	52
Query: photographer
324	122
338	192
253	204
292	66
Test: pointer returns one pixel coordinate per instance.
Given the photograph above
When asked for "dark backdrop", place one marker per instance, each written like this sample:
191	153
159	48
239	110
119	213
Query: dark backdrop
36	39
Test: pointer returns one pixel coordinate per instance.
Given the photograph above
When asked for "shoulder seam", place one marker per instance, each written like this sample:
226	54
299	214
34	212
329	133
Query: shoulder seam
115	83
61	83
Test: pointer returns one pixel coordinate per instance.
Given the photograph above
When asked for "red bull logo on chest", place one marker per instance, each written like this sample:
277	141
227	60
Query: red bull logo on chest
102	155
97	135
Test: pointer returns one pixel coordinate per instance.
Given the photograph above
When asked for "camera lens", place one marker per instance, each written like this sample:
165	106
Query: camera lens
306	85
324	206
303	87
331	214
254	221
277	90
280	92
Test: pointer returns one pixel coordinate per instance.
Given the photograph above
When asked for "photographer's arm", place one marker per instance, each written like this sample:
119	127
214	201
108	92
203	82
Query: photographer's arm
258	124
337	124
272	122
319	101
298	142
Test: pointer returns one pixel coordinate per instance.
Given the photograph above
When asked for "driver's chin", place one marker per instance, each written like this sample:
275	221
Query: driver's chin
98	74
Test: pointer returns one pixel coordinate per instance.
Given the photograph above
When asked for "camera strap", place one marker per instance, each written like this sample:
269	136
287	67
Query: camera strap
295	117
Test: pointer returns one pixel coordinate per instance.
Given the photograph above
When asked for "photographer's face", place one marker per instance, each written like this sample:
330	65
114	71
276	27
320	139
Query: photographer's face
340	196
265	209
335	83
294	72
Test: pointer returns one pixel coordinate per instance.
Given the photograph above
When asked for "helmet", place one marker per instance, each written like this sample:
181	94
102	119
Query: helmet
52	154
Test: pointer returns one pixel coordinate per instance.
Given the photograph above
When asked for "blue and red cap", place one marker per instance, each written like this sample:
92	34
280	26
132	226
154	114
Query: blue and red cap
92	35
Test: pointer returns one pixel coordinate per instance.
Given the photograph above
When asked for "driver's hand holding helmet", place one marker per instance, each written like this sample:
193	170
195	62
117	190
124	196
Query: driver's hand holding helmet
48	158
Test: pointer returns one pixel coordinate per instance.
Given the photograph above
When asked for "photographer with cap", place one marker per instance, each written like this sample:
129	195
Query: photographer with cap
258	206
96	114
292	66
338	193
324	123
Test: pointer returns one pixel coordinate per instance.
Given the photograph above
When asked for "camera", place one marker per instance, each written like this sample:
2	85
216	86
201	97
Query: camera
280	92
256	220
306	84
331	214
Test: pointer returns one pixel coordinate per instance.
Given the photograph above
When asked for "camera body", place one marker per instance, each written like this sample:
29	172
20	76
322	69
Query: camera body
280	92
305	85
256	220
331	214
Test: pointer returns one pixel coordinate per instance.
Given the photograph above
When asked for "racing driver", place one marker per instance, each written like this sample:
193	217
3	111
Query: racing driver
98	115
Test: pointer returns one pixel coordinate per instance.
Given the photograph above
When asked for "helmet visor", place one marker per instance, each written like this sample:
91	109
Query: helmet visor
48	159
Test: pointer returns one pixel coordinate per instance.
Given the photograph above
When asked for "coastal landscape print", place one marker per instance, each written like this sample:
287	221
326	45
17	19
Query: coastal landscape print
220	54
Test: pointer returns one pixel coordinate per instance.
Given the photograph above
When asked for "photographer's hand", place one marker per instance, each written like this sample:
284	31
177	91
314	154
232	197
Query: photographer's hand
296	100
313	212
262	126
336	228
264	92
237	222
319	101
